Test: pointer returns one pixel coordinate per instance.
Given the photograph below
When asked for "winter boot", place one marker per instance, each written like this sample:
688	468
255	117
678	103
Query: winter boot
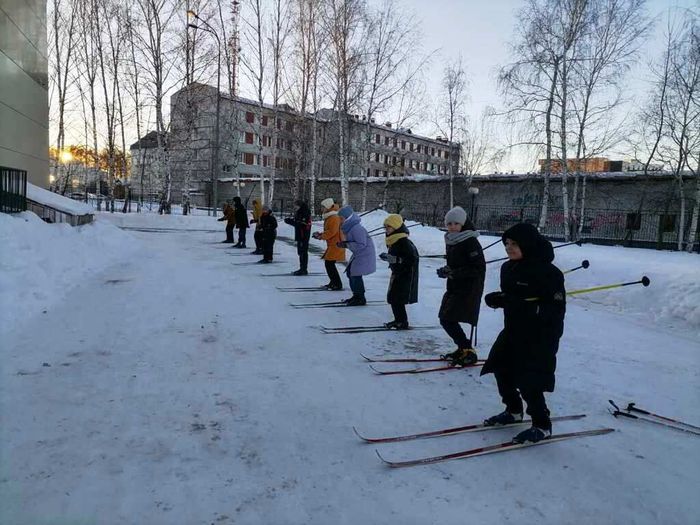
264	261
396	325
532	435
462	357
504	418
300	272
356	300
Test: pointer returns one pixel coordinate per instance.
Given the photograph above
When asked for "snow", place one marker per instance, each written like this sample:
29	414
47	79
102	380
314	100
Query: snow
56	201
146	379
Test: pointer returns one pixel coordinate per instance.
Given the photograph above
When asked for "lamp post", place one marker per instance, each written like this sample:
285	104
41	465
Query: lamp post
473	191
215	153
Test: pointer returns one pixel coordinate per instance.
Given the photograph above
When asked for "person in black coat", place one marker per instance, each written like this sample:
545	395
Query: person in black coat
302	234
241	221
268	228
403	261
465	272
523	358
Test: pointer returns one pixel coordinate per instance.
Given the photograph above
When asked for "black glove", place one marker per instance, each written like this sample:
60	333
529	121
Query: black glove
342	244
444	272
495	300
289	221
391	259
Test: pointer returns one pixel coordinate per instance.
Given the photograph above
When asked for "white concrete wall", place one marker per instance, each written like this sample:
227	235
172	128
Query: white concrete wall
24	111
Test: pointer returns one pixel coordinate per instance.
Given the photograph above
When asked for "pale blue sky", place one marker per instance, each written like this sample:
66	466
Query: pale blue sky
480	31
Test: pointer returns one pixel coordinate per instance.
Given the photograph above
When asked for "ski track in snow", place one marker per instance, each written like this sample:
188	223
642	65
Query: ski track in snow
170	387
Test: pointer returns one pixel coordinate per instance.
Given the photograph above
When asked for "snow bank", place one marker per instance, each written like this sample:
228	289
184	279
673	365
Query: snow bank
39	261
56	201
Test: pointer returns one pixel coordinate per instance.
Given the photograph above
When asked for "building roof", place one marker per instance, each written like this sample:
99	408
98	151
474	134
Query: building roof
148	141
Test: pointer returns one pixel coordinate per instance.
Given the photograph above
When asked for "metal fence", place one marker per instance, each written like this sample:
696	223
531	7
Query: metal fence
628	227
13	190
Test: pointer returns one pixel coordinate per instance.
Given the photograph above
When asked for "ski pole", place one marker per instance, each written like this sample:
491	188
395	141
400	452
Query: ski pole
644	281
494	243
584	264
632	408
438	256
370	211
617	412
577	243
382	233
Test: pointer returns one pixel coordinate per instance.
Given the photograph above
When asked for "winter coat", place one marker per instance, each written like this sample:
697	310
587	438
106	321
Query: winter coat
364	256
268	226
332	235
241	216
301	223
465	284
257	212
403	283
527	346
229	215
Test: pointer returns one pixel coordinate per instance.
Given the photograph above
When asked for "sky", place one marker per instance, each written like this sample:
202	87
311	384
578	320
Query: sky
480	31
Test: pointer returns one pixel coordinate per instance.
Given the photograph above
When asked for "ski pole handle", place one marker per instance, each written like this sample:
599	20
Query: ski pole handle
584	264
644	281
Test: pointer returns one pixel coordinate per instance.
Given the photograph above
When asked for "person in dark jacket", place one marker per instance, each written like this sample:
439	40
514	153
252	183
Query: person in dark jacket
302	235
465	272
523	358
257	236
241	221
268	227
230	218
403	261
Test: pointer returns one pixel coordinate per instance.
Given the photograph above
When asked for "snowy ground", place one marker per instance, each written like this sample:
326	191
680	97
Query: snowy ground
146	379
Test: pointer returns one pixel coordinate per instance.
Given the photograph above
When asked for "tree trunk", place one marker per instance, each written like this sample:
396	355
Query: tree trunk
344	183
693	232
548	158
564	167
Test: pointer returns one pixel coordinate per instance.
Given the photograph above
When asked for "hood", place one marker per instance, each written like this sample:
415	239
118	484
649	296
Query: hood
350	222
531	242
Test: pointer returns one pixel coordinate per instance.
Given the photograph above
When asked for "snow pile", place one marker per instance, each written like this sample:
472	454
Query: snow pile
57	202
39	261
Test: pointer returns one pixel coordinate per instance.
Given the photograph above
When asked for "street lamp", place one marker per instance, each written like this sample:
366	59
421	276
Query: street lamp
215	152
473	191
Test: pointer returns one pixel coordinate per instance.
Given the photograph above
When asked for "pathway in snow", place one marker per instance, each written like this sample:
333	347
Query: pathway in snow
178	388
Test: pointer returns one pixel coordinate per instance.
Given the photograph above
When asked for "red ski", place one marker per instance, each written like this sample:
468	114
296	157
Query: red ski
493	449
455	430
425	370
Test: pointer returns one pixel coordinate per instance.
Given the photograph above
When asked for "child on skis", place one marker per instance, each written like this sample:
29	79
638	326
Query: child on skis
268	228
523	358
364	258
465	272
257	236
302	232
403	262
332	235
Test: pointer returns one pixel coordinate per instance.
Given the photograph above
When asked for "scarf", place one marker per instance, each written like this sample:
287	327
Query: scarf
455	238
391	239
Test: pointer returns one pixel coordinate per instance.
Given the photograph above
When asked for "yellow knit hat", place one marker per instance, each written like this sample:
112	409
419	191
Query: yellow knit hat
394	220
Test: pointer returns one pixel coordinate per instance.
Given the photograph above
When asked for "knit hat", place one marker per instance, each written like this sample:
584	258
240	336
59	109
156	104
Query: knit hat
327	203
394	220
236	199
456	215
346	211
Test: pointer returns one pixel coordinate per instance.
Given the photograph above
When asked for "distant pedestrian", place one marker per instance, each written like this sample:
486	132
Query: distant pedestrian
241	221
257	236
364	257
268	226
302	234
230	218
403	261
332	235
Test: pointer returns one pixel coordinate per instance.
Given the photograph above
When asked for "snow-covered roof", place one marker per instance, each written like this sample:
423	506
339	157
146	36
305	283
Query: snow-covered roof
56	201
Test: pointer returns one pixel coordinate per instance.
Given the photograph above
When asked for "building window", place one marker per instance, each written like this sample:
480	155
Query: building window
403	144
403	163
266	161
249	158
377	138
377	173
386	141
418	148
249	137
432	152
393	161
447	154
279	123
249	117
227	168
264	120
376	157
289	126
412	147
395	141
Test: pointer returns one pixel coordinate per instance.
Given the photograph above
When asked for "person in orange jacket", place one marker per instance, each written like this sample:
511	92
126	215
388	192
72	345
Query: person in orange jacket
230	217
332	235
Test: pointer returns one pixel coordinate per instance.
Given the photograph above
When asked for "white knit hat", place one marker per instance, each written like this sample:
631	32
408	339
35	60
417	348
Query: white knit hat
457	215
327	203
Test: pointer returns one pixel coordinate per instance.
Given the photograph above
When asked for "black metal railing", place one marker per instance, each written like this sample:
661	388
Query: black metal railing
13	190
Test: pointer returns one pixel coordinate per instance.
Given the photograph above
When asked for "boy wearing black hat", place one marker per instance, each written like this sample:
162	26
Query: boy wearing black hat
523	358
268	227
302	235
241	221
